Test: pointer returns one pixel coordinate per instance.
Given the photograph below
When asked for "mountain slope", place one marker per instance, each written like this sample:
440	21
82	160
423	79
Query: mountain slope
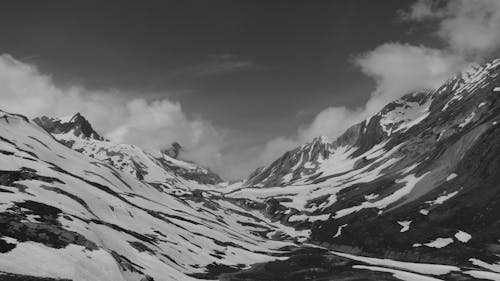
418	181
66	215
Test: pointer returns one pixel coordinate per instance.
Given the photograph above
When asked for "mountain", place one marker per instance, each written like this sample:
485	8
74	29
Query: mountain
65	215
418	181
410	193
156	167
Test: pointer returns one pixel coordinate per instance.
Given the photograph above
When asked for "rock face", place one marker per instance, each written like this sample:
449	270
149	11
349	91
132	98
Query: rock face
76	124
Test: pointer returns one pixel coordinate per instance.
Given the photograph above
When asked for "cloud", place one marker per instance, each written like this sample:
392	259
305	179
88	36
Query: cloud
399	69
469	27
149	124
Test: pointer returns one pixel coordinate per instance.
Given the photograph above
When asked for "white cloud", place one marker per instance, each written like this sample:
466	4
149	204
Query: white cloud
469	27
149	124
399	69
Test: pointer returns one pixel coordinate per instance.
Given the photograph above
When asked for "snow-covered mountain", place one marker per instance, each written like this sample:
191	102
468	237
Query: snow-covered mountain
418	181
67	215
411	193
156	167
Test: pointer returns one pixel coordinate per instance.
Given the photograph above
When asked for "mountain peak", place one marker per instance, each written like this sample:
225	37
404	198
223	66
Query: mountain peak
77	124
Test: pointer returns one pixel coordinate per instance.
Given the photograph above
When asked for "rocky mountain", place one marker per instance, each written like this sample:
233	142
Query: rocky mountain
418	181
156	167
410	193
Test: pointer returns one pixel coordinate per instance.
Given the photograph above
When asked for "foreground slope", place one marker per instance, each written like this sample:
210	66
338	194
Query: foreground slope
66	215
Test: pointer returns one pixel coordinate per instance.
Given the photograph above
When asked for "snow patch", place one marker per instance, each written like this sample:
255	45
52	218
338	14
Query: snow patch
405	225
451	176
339	231
424	212
439	243
423	268
493	267
441	199
371	196
463	236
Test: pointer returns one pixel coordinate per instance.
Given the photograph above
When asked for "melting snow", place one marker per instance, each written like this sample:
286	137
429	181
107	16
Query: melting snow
441	199
371	196
462	236
424	268
411	181
492	267
451	176
339	230
483	275
405	225
439	243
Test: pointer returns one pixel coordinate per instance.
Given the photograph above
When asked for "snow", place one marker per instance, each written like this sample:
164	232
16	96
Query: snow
339	230
451	176
323	217
405	225
462	236
192	234
297	218
442	199
483	275
424	212
497	89
423	268
61	263
404	116
410	180
371	196
467	120
492	267
402	275
439	243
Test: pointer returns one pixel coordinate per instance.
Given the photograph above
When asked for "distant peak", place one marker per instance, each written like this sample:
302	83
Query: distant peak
77	123
321	139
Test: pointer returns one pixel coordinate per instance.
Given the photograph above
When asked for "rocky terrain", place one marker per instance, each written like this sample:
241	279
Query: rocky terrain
410	193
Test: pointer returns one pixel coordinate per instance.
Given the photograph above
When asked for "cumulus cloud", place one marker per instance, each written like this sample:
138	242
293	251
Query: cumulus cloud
399	69
469	27
149	124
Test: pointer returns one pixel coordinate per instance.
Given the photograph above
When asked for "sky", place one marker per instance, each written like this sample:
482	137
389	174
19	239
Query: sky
237	83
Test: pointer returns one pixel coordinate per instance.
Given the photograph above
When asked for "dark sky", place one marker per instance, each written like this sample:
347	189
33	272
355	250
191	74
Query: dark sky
257	68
